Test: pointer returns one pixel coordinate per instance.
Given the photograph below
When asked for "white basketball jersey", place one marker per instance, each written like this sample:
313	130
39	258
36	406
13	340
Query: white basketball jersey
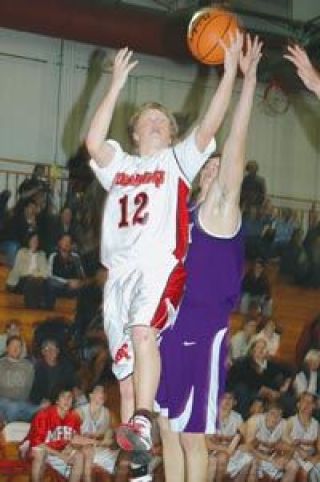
90	425
230	426
306	435
268	435
145	218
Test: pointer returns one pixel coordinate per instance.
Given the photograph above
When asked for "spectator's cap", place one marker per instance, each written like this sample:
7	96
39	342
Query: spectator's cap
49	342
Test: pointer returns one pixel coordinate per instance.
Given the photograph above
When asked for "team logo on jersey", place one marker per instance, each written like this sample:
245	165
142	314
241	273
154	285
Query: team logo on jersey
156	178
62	432
123	352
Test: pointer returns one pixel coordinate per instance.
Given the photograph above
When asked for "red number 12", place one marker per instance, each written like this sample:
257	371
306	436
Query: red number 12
140	216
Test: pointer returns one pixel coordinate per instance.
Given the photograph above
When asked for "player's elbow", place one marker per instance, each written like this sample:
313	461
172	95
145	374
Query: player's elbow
92	146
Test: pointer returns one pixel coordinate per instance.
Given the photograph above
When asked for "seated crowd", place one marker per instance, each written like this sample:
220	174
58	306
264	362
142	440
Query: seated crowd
269	415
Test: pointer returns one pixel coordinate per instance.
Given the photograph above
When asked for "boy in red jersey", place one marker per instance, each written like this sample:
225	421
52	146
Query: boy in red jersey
49	439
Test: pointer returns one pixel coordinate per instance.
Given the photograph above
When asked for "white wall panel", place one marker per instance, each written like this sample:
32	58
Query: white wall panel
48	94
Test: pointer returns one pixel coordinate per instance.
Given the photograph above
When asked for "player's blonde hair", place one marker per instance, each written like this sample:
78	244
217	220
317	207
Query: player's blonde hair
156	106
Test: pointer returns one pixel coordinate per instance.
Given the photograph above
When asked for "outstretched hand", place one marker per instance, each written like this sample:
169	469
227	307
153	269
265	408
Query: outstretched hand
232	52
122	66
305	70
250	59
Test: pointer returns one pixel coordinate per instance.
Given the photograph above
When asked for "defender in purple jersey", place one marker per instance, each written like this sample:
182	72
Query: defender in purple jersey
193	349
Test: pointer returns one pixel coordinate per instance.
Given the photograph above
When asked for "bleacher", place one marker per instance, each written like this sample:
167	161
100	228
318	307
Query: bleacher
293	308
12	308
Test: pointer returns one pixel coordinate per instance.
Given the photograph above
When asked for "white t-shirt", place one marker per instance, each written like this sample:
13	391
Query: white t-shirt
145	217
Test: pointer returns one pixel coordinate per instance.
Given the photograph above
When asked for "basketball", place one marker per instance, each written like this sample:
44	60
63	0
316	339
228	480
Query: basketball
206	28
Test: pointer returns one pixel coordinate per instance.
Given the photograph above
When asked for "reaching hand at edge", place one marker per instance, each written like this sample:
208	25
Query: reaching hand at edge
305	70
232	52
250	59
122	66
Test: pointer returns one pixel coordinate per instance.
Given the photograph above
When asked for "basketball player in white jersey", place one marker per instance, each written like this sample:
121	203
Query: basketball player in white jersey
305	70
265	441
224	455
145	232
303	435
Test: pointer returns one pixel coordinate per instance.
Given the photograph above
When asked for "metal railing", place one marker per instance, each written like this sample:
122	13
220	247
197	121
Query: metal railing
14	172
300	206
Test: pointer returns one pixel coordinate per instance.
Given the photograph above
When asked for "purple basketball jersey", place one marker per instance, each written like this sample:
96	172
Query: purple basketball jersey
193	350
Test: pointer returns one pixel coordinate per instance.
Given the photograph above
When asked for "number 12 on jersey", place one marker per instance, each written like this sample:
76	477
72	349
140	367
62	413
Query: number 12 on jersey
140	216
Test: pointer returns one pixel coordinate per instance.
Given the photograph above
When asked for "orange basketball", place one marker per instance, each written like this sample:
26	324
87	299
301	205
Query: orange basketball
205	29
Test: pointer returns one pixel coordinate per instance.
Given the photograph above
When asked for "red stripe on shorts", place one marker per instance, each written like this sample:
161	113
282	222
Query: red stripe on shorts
173	293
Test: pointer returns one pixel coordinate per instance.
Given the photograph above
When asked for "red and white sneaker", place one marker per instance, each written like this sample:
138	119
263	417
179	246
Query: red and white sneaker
135	435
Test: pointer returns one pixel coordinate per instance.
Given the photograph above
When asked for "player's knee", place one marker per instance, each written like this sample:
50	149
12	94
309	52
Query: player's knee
168	437
193	442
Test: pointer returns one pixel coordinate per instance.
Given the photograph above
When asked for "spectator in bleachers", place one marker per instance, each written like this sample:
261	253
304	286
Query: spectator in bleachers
224	454
256	287
63	224
257	376
53	328
4	198
264	439
34	184
19	225
284	229
294	262
270	217
252	226
257	406
308	375
12	328
16	378
51	371
240	341
270	334
302	434
25	221
29	274
253	190
49	440
96	433
66	274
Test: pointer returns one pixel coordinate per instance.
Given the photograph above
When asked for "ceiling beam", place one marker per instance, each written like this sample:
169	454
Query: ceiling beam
140	29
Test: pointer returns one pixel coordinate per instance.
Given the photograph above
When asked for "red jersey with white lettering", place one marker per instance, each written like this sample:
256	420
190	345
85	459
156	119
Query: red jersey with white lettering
146	217
47	427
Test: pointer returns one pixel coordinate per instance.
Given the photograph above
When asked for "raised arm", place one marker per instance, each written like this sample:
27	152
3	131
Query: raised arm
220	101
101	152
220	210
305	70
